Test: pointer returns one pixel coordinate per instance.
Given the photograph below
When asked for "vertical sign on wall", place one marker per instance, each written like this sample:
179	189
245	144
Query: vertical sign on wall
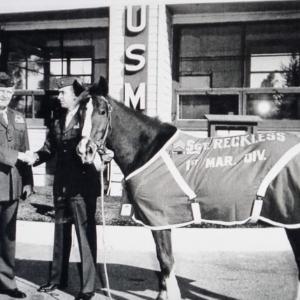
136	38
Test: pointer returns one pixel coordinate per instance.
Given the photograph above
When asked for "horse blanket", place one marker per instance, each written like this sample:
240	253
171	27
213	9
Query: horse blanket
233	179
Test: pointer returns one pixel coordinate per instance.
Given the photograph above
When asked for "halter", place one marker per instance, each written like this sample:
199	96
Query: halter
101	143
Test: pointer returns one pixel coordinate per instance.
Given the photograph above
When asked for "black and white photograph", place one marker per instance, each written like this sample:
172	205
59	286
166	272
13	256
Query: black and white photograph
150	149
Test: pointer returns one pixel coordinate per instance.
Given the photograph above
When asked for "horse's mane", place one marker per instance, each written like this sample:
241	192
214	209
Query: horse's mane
153	122
151	138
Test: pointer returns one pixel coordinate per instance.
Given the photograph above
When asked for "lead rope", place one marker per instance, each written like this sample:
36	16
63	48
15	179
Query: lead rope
108	177
103	233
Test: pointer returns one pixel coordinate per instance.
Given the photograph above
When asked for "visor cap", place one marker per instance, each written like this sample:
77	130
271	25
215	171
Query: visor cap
67	81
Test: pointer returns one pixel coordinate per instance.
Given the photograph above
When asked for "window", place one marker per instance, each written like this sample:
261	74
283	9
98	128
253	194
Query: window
36	59
239	68
275	106
58	66
74	61
210	53
197	106
269	70
81	66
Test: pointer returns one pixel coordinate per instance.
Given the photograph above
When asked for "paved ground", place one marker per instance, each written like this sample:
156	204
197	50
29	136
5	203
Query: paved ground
211	265
208	276
30	289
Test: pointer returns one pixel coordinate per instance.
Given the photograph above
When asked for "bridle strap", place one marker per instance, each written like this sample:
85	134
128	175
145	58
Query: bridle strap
102	142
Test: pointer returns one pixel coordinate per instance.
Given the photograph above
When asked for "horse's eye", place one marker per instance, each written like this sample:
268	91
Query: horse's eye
102	112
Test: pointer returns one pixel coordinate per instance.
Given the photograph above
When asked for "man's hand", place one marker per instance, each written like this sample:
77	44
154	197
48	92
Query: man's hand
27	191
98	162
28	157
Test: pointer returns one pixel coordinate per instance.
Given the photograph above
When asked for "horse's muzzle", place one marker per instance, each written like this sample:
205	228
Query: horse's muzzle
86	149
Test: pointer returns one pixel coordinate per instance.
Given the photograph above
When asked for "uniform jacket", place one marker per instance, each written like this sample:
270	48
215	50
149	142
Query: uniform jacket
71	177
14	174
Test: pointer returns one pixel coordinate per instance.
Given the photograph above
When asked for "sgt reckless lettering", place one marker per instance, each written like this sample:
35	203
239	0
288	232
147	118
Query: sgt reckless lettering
194	147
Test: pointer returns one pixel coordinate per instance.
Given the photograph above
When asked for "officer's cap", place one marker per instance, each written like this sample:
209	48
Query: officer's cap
67	81
6	80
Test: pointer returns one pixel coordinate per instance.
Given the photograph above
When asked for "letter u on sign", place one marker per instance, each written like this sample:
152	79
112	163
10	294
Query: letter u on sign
129	21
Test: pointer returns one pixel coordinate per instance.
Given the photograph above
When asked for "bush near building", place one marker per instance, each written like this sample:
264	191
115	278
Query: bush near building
40	208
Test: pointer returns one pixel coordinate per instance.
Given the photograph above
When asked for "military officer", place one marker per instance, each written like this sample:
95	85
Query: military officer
75	189
15	182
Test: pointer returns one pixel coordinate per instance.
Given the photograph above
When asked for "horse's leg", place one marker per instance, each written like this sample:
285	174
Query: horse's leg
294	238
169	289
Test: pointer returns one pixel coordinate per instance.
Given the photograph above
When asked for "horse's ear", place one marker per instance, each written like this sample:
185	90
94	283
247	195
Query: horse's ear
99	88
103	86
77	87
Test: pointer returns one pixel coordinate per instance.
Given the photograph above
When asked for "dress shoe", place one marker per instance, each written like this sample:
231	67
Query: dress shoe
49	287
15	293
85	296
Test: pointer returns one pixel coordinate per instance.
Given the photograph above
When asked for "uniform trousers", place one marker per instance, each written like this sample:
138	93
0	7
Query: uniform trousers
82	211
8	218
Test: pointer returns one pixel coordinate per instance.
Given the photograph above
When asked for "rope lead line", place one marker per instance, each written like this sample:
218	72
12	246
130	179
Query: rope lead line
103	233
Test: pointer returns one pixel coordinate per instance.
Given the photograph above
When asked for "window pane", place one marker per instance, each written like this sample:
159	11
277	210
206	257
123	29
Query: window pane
269	62
43	105
193	106
58	67
211	49
196	106
35	72
81	66
274	106
275	70
271	79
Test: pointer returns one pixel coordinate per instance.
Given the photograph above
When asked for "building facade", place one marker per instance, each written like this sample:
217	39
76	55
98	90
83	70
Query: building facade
209	67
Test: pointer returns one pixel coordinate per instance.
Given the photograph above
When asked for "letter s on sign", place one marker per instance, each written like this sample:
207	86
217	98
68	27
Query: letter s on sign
135	57
280	136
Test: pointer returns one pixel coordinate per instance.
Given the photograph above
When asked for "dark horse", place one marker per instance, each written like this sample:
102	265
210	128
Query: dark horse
135	139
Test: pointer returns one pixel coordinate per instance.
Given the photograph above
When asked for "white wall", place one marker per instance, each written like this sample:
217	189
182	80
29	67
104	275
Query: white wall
46	5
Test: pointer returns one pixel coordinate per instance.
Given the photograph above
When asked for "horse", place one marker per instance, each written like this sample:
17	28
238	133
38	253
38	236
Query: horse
137	140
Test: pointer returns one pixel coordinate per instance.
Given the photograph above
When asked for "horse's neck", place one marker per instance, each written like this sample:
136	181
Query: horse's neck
135	140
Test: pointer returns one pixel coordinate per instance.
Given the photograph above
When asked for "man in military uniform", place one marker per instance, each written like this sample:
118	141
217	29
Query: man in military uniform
75	189
15	182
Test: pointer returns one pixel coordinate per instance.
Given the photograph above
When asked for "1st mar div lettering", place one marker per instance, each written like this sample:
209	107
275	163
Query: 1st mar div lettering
228	160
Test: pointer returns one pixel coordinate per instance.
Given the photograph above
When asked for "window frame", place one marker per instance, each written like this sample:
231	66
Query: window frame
243	91
68	60
31	95
267	124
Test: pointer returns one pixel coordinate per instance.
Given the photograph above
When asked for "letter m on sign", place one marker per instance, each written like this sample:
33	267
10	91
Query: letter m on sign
132	99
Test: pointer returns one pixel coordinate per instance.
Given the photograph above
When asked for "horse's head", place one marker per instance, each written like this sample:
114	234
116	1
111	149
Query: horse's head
96	123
